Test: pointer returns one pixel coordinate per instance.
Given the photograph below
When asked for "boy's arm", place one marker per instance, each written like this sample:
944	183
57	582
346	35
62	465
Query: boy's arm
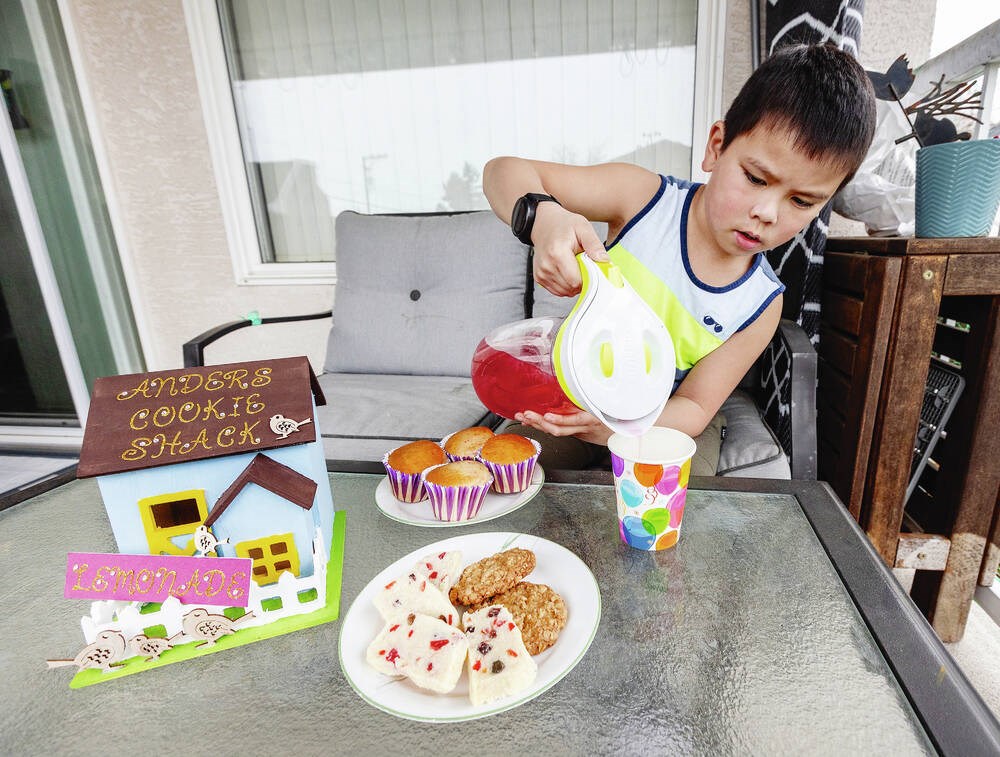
714	377
611	192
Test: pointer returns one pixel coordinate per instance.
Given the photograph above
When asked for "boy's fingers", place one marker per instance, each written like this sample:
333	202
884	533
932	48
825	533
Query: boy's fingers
591	243
533	420
555	265
566	419
569	274
562	277
544	423
558	424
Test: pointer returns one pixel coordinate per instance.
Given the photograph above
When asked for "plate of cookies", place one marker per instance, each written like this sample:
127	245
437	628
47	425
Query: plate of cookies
470	476
469	627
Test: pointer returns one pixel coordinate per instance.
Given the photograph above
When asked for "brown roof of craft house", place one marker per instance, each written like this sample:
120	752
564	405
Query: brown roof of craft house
143	420
273	476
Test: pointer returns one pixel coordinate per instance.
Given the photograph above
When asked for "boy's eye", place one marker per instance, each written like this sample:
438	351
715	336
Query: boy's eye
756	180
799	202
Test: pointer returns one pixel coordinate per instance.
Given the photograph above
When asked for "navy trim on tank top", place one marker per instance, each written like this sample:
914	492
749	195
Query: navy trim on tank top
687	262
763	307
707	287
638	216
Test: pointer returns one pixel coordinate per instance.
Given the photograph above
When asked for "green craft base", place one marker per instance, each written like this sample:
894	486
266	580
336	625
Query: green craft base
334	579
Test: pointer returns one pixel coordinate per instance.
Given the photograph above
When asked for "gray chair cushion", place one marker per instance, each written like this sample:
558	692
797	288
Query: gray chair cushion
708	446
367	415
416	294
749	450
547	304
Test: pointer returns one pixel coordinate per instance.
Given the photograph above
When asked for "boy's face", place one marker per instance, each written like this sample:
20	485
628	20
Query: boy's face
762	190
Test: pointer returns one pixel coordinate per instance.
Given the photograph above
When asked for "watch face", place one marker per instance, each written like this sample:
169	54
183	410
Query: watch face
519	216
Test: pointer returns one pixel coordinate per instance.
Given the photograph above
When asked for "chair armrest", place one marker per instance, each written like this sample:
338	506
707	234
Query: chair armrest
787	396
194	350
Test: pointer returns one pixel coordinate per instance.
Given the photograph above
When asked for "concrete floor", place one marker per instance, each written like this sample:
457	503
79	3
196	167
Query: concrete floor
978	653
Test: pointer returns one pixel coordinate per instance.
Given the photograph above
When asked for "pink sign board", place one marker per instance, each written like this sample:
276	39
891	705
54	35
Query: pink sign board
154	578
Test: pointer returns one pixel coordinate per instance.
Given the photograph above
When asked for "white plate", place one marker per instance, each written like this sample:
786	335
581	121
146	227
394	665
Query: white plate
556	566
419	513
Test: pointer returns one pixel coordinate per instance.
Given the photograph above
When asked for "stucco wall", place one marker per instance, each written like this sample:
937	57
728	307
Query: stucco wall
737	54
141	79
891	28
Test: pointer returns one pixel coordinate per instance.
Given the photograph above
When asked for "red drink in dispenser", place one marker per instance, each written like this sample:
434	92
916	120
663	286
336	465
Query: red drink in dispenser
512	369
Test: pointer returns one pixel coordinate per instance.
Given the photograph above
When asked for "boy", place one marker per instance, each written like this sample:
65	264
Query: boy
795	134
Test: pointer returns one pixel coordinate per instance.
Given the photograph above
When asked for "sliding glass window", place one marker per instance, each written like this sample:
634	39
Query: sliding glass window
395	106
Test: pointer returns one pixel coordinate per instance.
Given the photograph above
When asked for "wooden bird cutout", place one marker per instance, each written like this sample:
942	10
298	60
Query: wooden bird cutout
205	541
103	653
148	648
285	426
199	623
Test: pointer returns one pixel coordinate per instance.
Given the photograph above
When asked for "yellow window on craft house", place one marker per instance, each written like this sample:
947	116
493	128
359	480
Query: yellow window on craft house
272	556
166	517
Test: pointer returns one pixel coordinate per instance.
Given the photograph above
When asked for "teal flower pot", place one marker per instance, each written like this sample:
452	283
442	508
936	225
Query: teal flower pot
958	188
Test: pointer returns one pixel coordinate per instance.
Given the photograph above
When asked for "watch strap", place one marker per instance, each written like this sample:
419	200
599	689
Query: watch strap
530	203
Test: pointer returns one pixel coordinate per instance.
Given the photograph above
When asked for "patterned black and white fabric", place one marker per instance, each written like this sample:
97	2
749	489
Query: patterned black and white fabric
799	263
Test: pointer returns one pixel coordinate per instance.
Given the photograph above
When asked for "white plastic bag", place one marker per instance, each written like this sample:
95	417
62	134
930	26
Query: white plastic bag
881	194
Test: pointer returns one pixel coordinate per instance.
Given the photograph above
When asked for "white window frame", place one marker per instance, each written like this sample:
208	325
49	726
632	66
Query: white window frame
975	56
38	250
219	111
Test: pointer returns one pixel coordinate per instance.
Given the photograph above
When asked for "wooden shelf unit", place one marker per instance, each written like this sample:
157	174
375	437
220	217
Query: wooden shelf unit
879	327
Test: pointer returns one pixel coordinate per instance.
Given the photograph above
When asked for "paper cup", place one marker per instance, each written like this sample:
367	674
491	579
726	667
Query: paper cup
651	476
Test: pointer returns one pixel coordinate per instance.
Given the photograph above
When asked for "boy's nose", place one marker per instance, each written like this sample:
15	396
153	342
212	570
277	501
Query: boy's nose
765	210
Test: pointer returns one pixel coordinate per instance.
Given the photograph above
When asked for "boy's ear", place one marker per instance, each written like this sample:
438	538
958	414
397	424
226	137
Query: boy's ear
713	147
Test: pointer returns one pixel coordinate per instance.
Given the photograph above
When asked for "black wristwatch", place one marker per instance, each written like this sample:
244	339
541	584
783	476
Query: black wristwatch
523	218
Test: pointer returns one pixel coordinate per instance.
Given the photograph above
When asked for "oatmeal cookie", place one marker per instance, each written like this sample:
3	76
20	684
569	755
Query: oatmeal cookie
537	610
492	575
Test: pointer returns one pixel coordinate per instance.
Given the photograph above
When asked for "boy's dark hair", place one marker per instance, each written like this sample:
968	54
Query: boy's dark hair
818	93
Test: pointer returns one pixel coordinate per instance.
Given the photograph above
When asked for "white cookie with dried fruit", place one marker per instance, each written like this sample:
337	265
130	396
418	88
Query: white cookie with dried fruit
416	593
499	663
426	650
443	569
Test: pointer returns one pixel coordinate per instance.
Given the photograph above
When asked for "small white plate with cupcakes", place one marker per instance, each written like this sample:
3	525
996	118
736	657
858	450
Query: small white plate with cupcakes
471	476
424	641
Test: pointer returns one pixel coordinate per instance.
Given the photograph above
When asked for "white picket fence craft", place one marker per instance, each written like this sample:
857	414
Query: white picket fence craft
128	619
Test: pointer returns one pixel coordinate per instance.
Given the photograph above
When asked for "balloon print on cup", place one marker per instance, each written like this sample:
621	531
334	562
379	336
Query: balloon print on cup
651	476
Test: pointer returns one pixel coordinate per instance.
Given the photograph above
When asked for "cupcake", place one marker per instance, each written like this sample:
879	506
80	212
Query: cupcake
405	464
511	459
457	489
464	444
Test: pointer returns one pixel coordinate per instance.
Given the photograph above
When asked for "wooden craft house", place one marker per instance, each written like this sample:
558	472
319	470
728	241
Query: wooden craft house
234	448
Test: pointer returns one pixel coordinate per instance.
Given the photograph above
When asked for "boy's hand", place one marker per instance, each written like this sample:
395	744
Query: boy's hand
581	424
558	235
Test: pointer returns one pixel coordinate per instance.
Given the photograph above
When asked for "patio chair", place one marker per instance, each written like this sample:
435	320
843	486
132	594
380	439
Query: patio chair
414	295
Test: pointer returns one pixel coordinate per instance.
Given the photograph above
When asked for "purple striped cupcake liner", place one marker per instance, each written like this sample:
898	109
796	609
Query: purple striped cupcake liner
510	478
406	487
455	503
457	458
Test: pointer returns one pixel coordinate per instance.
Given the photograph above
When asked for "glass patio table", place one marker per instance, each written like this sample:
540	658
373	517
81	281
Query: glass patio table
772	627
